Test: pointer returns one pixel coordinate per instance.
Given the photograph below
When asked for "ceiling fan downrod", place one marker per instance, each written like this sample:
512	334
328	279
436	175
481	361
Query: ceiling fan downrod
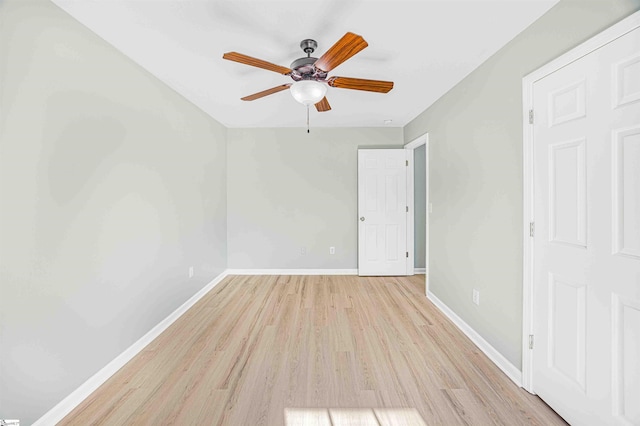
308	46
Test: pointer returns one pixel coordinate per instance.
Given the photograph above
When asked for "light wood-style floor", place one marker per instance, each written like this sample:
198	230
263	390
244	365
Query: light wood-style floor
256	345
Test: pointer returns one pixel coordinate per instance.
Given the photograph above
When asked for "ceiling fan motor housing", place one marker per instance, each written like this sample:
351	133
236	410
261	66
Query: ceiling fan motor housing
302	68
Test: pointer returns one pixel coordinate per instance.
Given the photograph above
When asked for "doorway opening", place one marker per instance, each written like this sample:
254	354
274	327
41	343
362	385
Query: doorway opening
419	206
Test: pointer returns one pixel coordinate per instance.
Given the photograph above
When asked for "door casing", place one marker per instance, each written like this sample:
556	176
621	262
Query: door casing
410	147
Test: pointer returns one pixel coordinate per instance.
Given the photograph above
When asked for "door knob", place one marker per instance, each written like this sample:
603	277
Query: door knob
362	219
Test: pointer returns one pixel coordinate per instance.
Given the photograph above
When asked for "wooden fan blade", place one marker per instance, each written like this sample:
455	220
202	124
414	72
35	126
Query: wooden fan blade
343	49
360	84
254	62
323	105
266	92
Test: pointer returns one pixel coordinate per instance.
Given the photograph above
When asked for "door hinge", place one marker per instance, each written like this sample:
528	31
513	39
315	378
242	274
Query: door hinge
531	341
530	116
407	209
407	254
406	163
532	229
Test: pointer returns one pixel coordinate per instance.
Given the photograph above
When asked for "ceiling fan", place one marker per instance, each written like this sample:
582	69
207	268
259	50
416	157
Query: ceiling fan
309	74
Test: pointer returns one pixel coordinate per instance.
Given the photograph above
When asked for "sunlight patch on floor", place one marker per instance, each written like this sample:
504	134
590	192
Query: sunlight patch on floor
352	417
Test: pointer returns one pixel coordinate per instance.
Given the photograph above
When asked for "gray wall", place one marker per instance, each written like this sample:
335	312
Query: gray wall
475	134
111	186
419	206
288	189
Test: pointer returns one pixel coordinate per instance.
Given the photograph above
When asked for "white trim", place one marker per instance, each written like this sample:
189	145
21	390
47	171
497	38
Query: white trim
64	407
416	143
607	36
418	271
528	211
496	357
427	206
626	25
411	258
291	272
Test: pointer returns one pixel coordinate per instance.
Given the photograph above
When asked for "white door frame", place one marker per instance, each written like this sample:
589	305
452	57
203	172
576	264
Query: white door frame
410	147
617	30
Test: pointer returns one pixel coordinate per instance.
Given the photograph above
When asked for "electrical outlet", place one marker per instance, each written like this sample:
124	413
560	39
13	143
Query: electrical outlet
190	271
332	250
476	297
303	250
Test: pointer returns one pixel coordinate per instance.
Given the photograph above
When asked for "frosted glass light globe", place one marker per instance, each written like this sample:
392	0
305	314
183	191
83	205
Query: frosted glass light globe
308	92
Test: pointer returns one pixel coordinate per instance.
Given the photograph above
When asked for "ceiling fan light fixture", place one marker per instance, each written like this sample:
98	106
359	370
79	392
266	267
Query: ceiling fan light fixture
308	92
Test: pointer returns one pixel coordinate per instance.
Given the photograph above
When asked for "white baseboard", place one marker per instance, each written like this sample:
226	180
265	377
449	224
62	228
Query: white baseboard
496	357
419	270
292	272
74	399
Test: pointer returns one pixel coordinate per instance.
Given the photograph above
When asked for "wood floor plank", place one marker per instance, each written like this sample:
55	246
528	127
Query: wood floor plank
257	346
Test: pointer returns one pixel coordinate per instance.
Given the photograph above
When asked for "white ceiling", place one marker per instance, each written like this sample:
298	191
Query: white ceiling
425	47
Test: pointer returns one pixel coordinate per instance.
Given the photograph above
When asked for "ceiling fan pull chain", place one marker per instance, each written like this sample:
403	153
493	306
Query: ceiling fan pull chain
307	118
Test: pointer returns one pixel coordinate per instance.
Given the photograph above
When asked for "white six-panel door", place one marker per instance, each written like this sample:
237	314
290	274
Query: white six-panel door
382	212
586	358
